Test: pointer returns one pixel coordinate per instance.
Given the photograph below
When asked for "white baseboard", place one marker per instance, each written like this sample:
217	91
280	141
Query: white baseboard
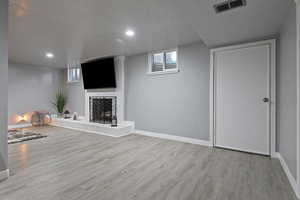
288	173
19	126
173	137
4	174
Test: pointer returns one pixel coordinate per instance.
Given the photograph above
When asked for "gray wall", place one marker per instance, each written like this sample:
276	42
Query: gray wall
287	93
31	88
3	82
175	104
76	96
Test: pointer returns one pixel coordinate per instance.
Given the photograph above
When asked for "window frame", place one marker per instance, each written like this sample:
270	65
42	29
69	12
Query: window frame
164	71
69	75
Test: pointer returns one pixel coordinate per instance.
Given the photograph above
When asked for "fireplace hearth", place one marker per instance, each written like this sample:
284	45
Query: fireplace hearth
102	109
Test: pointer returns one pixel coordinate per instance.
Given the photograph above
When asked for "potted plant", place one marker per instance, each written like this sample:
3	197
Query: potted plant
60	102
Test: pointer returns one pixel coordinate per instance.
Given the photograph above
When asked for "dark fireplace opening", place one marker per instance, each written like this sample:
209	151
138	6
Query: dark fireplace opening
103	109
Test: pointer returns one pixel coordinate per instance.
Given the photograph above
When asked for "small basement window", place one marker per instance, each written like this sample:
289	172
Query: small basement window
163	62
73	74
74	71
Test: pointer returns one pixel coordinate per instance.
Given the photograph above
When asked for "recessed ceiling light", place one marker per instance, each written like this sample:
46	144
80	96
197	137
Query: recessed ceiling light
49	55
130	33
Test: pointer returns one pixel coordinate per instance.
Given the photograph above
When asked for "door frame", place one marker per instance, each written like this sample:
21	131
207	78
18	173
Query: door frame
272	86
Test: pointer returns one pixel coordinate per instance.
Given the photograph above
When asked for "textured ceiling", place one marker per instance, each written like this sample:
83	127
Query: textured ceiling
84	29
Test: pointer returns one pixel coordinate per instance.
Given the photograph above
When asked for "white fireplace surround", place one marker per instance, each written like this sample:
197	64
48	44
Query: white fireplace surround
115	92
83	124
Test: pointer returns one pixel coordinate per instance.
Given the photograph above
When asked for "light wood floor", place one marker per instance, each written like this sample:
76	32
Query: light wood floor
75	165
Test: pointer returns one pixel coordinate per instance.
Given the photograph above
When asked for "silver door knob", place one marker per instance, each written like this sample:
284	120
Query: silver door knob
265	100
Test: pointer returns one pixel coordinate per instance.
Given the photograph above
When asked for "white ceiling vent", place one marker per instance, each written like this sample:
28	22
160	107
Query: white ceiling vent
228	5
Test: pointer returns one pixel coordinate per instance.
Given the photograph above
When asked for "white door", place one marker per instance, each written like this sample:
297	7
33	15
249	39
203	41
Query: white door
241	98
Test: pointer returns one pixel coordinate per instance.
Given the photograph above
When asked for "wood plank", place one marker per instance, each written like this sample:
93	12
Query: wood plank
71	165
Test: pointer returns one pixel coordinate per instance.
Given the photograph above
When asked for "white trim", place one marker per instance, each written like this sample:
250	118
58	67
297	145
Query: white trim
272	44
19	126
243	150
169	71
211	101
4	174
243	45
273	98
173	137
70	82
298	92
288	173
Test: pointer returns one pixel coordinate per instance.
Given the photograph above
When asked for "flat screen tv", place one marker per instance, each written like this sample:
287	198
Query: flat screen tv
99	74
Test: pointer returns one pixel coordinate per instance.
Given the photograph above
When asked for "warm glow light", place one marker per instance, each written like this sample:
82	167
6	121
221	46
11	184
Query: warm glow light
23	150
49	55
22	118
130	33
21	7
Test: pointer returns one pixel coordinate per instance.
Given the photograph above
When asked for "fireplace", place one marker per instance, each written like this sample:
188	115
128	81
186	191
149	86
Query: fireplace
102	109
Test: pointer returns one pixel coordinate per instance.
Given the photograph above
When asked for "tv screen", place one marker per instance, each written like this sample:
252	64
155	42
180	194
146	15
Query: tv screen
99	74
